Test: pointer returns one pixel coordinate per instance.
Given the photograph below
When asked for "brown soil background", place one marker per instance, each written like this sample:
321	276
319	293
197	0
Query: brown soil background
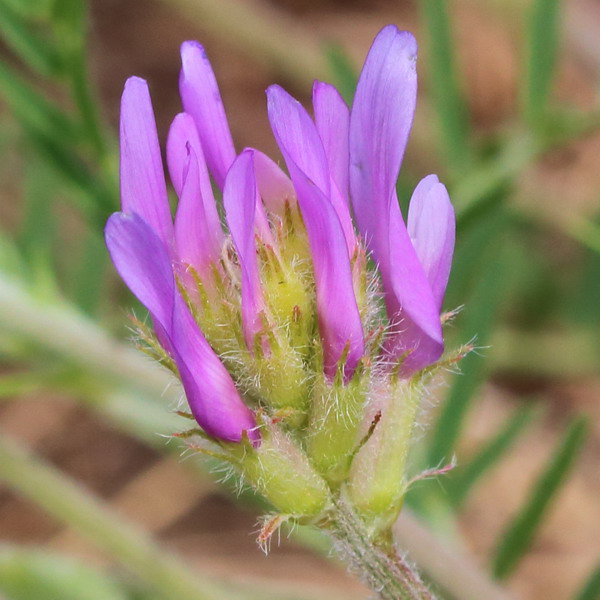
142	37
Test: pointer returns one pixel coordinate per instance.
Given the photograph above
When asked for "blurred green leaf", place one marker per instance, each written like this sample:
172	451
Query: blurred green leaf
11	260
520	532
591	588
344	74
587	232
32	108
38	227
89	277
97	200
38	378
542	39
34	575
28	42
483	181
474	241
449	101
479	318
469	473
32	9
70	28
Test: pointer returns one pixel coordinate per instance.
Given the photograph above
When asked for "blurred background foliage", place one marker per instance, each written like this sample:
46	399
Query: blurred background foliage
508	117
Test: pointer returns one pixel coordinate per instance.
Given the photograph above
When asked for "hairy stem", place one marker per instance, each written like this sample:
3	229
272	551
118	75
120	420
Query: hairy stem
385	571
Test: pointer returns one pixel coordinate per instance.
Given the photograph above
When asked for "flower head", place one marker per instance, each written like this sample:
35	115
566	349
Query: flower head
265	300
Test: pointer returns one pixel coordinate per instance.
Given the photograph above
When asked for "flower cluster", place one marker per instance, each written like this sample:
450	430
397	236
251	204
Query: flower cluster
297	309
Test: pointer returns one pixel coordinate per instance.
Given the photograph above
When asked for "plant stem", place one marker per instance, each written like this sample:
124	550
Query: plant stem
385	571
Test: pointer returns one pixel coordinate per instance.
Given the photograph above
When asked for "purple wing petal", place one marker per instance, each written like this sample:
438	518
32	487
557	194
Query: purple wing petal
201	98
296	131
274	186
410	302
200	209
193	238
339	317
239	199
380	122
211	393
332	119
143	187
431	226
142	261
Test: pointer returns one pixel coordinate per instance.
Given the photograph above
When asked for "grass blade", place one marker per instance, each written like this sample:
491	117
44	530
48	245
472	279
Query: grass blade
520	532
97	201
27	43
490	454
591	588
542	40
449	101
90	274
32	108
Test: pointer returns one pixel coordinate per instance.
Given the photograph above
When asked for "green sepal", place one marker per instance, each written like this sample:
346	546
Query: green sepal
377	484
279	470
336	413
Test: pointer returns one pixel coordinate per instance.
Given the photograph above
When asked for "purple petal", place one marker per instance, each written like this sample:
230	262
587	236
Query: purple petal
143	187
183	132
239	199
339	317
274	186
200	209
143	262
194	240
409	299
380	122
431	226
201	98
211	393
332	119
296	131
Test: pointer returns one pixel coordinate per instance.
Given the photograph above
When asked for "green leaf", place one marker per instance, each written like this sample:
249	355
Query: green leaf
468	474
591	588
30	9
493	175
586	232
344	74
89	275
32	108
33	575
27	42
97	200
448	99
542	48
38	228
520	532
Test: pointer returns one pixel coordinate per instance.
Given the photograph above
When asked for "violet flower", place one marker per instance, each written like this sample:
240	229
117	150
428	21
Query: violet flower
234	307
